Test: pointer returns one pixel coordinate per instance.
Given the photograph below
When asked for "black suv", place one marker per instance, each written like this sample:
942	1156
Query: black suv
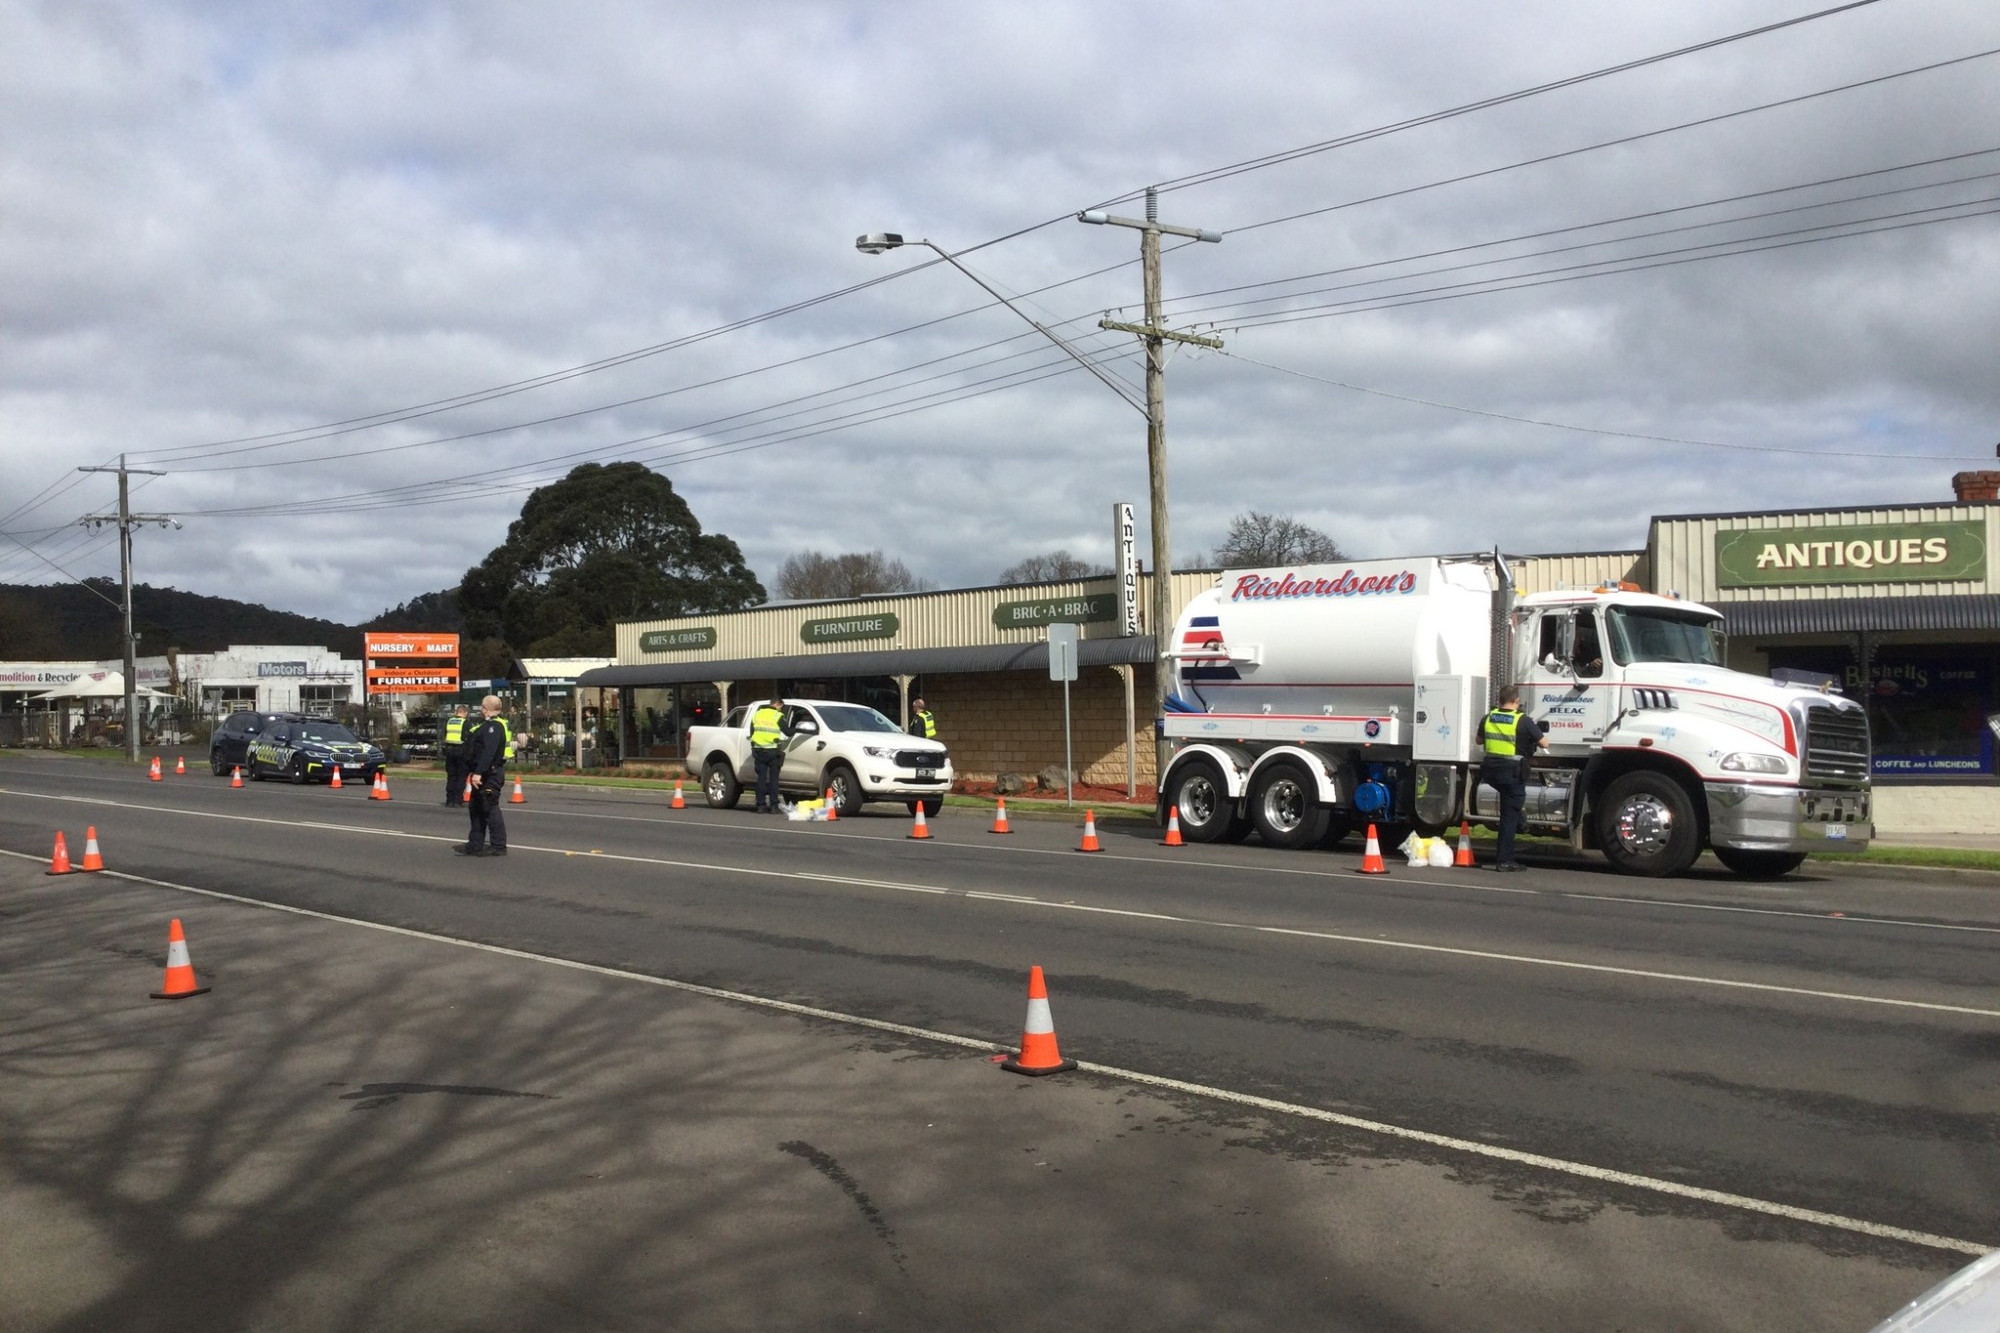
229	743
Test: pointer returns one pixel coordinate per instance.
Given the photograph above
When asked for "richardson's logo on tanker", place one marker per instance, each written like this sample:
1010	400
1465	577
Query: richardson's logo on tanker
1346	584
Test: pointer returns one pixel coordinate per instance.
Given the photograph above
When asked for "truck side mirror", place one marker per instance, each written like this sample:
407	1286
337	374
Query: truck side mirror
805	726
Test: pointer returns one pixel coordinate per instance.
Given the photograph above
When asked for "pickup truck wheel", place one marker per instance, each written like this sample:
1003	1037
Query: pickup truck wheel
1759	865
1206	811
846	790
1646	825
931	805
1284	805
719	784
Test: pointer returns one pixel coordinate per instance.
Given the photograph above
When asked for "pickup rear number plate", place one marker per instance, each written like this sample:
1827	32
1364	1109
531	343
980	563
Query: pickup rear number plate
1837	832
926	774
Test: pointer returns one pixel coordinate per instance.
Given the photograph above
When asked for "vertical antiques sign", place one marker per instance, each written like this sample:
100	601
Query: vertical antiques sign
1126	531
1872	553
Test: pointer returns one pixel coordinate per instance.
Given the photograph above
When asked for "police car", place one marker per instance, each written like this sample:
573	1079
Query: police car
309	750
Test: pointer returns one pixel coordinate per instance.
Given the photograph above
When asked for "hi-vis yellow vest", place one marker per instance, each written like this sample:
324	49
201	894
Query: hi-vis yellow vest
767	728
1498	733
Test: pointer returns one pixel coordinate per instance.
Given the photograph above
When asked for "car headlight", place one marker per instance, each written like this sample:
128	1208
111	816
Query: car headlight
1747	762
878	752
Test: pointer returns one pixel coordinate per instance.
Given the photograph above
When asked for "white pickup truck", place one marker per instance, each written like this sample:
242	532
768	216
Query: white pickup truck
850	750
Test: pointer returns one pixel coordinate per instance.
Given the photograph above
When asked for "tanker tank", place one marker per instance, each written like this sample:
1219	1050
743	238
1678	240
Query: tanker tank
1337	639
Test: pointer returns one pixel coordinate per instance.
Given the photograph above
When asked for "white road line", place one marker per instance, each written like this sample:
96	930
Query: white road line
1538	1161
1121	913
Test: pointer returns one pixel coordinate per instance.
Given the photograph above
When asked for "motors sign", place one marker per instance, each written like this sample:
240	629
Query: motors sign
265	669
1874	553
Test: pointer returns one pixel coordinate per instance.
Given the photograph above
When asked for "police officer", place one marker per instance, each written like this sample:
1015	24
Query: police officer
453	740
1509	737
767	748
489	744
921	721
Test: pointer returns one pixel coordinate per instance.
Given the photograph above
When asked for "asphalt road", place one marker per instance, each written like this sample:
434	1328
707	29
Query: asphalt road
1824	1051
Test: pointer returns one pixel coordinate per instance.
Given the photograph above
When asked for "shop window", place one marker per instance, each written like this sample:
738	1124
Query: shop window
1931	711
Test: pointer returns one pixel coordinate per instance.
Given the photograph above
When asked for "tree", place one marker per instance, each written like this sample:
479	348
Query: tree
609	542
810	576
1258	541
1057	565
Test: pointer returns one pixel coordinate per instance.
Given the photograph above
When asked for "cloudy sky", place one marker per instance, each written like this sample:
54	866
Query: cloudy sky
356	277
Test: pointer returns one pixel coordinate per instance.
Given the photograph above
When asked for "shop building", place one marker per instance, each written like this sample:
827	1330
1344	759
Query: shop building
269	678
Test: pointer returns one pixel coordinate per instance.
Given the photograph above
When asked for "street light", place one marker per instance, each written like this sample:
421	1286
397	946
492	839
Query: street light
1153	405
879	242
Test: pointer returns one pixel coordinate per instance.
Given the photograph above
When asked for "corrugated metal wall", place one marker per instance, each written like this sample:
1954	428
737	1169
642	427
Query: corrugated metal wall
1682	550
1581	569
925	620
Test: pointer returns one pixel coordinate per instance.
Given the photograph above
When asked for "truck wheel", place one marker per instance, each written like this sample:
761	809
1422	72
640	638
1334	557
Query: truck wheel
931	805
1646	825
718	782
1284	805
846	789
1759	865
1207	813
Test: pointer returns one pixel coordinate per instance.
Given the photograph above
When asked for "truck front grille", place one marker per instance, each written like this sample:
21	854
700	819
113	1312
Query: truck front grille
920	759
1836	745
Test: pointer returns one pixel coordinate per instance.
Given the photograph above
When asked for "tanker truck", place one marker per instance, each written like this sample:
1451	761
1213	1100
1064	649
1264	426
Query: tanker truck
1309	702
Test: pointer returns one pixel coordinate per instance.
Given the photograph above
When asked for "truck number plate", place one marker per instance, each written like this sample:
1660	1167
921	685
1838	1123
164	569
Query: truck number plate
926	774
1836	831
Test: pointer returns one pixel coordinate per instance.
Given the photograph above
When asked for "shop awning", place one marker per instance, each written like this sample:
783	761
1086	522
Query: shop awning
907	662
1852	615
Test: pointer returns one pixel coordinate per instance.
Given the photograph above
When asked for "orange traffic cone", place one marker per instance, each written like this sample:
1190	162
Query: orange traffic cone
677	803
380	791
468	789
333	783
1000	816
1371	855
517	798
180	766
1464	857
833	808
1090	833
236	775
154	771
92	858
1039	1054
59	862
180	982
920	829
1173	838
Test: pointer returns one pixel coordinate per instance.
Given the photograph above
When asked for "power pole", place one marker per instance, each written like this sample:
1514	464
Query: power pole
1156	336
125	519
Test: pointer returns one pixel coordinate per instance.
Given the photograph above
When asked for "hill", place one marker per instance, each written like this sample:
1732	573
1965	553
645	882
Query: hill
82	621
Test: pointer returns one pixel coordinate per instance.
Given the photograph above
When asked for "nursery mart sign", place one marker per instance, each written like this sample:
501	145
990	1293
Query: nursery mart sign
1877	553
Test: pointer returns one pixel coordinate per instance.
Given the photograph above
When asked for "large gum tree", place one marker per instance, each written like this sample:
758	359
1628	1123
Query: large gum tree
609	542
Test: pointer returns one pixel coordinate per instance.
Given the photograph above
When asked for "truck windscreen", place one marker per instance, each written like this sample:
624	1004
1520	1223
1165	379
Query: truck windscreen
1642	634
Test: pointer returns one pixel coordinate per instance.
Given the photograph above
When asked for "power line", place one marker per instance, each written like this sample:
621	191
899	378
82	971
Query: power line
1593	430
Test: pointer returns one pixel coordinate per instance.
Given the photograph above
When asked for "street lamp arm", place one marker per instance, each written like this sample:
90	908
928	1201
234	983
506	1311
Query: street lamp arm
875	243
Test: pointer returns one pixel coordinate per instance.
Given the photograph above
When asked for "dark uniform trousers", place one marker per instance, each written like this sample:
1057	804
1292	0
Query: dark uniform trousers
488	824
769	760
1504	776
454	775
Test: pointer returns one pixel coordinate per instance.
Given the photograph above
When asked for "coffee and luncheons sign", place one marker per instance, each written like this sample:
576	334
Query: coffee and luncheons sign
411	663
1873	553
